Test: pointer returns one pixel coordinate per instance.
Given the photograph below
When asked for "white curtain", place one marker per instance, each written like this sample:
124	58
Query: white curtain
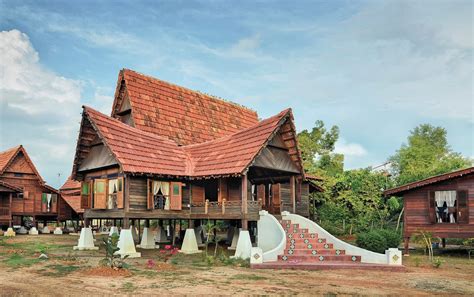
446	196
48	198
165	189
112	189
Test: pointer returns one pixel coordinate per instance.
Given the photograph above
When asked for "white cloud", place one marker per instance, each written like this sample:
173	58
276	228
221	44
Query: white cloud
349	149
38	108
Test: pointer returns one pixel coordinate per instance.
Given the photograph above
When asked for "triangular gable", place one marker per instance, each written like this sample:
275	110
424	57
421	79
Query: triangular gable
276	156
17	160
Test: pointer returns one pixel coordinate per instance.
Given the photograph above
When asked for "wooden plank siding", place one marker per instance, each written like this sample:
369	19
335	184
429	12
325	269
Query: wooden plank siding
417	214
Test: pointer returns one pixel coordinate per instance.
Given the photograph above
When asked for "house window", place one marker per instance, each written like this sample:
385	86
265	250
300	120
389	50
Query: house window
446	206
47	200
161	194
18	174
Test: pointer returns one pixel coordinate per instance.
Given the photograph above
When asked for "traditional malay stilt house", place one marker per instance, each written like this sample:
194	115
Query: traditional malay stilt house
71	210
23	192
167	152
442	205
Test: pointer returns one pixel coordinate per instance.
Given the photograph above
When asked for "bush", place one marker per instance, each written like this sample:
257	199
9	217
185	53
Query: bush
372	241
379	240
392	237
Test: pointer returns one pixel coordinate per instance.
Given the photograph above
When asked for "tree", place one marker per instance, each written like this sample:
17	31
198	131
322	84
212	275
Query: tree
426	154
317	148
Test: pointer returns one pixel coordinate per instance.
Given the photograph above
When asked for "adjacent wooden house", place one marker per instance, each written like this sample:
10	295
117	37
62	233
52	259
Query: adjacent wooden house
442	205
22	190
167	152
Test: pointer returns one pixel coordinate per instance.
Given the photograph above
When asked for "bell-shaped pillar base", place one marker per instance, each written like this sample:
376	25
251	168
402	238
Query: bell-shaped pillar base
148	240
189	243
126	245
86	240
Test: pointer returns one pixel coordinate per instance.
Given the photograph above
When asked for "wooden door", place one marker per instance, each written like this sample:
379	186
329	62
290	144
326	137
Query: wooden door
120	196
100	194
197	194
176	197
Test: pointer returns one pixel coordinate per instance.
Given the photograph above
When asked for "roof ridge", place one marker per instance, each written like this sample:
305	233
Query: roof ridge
210	96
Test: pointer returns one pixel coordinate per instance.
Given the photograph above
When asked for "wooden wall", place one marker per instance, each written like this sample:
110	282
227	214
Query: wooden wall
302	205
417	215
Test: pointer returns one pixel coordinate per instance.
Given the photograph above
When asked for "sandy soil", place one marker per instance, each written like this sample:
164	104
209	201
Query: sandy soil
55	277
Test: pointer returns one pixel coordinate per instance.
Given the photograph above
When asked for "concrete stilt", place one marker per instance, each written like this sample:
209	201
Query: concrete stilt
198	232
127	245
113	230
148	241
46	230
58	231
189	243
10	233
22	230
33	231
235	239
86	240
244	245
160	235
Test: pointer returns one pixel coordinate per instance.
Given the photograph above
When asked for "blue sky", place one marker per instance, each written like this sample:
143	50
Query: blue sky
374	68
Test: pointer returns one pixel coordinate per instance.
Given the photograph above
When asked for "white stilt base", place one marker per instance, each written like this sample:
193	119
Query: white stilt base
10	233
86	241
189	243
127	245
58	231
46	230
235	239
22	230
148	241
113	229
244	245
33	231
160	236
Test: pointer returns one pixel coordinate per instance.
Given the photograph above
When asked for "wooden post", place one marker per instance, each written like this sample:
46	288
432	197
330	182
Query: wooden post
173	233
223	206
407	240
244	202
443	242
126	223
87	222
292	192
11	217
206	206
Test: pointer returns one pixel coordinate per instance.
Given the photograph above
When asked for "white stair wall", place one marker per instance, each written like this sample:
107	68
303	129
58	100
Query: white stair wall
366	256
271	237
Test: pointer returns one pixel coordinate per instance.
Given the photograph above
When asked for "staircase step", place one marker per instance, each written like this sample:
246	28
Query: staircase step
302	252
305	240
328	265
318	258
310	246
297	230
289	225
302	235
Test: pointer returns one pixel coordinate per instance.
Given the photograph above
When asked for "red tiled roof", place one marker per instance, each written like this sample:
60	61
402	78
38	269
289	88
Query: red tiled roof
71	193
70	184
145	153
10	186
233	154
428	181
182	115
312	177
137	150
6	157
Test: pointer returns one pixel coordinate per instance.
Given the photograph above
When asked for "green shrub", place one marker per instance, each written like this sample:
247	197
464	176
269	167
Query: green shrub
392	237
372	241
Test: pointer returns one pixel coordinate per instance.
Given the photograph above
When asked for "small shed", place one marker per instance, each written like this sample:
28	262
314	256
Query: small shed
442	205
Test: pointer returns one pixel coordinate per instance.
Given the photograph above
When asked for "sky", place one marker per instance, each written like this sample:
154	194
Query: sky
376	69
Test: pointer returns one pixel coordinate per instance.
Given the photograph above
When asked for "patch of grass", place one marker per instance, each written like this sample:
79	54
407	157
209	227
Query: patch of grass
128	287
252	277
16	260
58	270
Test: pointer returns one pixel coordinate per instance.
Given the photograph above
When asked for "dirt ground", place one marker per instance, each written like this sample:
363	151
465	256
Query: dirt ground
72	273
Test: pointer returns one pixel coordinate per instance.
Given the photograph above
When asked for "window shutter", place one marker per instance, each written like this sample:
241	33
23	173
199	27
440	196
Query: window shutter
54	202
26	194
149	191
120	187
197	194
100	193
86	191
176	196
432	207
463	207
44	202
